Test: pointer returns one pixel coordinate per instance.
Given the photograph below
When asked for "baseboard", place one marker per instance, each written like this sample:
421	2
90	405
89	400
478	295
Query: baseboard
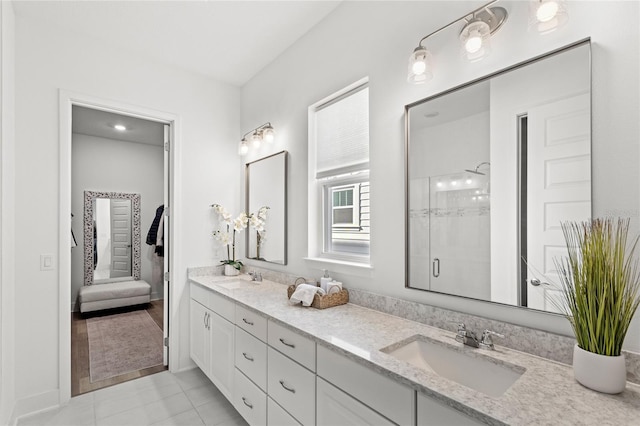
35	404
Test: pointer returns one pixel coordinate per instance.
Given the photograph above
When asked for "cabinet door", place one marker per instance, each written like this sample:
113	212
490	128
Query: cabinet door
199	336
431	412
222	362
335	407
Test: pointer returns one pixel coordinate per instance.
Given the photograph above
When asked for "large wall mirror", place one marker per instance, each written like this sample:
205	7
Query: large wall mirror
266	205
492	168
111	237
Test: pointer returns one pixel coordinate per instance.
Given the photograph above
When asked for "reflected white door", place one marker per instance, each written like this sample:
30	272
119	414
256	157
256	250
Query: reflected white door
121	238
559	189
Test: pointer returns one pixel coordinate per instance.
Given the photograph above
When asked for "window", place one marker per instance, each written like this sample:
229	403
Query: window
339	160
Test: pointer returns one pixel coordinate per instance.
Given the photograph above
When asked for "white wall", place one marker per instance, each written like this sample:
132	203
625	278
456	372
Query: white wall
48	59
375	39
140	170
7	208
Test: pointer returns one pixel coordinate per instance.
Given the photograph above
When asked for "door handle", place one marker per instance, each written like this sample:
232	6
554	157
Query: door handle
435	267
247	357
536	282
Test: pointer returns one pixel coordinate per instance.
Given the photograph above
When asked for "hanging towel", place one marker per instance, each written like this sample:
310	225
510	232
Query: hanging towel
152	235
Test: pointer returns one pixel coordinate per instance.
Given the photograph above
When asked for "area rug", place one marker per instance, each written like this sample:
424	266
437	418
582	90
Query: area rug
122	343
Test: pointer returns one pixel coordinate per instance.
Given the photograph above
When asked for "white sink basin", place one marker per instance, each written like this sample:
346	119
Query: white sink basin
486	375
235	284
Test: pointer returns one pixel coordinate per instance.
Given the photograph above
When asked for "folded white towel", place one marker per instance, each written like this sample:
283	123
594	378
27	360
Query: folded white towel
304	293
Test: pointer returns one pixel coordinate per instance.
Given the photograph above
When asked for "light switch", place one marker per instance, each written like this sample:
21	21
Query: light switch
46	262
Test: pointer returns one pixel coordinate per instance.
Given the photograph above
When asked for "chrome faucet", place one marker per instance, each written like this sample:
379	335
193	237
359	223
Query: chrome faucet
469	338
486	342
255	276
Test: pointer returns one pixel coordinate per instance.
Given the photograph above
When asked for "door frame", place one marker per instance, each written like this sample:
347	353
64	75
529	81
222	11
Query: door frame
67	99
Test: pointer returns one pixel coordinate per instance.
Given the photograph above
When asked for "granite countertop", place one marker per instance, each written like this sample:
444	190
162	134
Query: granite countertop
546	393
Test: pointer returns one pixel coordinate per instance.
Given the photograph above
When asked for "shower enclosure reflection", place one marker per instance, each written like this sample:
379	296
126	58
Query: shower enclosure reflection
450	198
492	169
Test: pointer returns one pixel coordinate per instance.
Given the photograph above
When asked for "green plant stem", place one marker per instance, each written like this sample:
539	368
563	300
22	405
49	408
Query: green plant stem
600	283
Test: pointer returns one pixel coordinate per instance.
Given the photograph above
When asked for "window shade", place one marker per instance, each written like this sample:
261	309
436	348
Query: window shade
342	135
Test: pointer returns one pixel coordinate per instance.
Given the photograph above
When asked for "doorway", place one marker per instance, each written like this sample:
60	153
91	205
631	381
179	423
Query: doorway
157	273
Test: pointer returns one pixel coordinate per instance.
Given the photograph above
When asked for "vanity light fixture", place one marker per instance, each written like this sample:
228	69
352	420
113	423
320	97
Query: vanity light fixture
547	15
475	35
261	133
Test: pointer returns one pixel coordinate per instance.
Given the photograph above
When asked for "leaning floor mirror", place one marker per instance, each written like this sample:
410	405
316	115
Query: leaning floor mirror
492	169
266	206
111	237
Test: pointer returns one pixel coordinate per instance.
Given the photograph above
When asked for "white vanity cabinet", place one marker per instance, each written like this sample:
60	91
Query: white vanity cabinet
212	338
251	366
431	412
291	379
335	407
382	400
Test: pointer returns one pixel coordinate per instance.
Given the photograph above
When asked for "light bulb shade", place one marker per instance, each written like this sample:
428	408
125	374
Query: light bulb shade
475	40
256	140
546	16
268	134
243	148
420	66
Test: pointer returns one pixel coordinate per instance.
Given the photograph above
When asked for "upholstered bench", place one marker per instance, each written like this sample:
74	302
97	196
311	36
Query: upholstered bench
113	295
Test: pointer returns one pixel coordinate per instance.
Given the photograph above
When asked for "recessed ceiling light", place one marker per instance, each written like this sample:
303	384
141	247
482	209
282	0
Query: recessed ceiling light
120	127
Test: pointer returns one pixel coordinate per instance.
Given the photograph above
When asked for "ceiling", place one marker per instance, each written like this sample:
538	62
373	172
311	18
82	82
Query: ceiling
229	41
454	106
98	123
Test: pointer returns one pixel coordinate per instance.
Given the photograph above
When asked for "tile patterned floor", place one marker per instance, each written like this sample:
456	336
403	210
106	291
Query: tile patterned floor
182	399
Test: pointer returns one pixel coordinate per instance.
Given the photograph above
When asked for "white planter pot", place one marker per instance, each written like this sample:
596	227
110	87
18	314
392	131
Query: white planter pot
230	271
607	374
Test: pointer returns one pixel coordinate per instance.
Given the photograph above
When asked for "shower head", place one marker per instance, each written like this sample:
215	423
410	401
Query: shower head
477	167
474	172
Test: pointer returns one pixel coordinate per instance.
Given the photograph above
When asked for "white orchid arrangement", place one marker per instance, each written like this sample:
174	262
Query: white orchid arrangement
227	237
257	221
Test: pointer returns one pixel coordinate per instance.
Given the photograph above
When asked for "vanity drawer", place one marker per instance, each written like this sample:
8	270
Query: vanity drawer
338	408
277	416
295	346
249	400
390	398
251	357
292	386
222	306
199	294
213	301
251	322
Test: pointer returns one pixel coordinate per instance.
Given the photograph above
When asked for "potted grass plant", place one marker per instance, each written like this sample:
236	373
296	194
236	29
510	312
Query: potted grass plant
600	295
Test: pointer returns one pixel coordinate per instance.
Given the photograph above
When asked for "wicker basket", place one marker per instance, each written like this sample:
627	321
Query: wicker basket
325	301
